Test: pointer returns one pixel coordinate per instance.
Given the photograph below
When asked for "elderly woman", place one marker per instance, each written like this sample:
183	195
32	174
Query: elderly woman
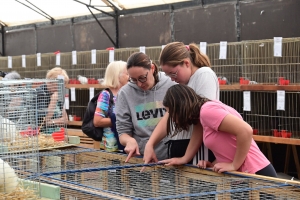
51	113
116	76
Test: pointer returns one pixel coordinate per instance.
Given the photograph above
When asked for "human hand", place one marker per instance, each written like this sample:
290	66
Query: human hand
149	155
204	164
132	149
223	167
173	161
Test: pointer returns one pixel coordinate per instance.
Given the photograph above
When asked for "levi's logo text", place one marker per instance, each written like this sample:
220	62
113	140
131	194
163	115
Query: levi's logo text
149	114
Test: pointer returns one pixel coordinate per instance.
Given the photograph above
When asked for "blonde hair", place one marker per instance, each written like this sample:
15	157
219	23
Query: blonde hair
112	74
55	72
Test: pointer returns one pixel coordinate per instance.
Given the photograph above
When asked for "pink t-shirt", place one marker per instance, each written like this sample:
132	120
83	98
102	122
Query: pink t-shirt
223	144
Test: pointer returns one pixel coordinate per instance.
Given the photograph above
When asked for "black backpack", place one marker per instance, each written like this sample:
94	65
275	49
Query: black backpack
88	127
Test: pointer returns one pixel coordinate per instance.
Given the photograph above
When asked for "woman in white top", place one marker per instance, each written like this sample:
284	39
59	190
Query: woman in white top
185	64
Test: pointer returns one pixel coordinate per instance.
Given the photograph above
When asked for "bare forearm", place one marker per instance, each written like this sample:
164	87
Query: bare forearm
159	132
125	138
243	146
102	122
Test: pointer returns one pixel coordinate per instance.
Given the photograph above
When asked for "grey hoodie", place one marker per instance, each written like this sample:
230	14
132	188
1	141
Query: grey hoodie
138	112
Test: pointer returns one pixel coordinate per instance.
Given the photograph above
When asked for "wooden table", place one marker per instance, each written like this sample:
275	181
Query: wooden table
291	144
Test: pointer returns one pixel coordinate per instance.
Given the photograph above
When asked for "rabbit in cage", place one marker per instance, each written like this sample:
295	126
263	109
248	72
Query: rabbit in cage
7	129
82	79
8	178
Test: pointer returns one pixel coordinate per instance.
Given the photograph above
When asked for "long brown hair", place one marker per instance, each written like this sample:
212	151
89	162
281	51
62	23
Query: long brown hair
174	53
184	107
139	59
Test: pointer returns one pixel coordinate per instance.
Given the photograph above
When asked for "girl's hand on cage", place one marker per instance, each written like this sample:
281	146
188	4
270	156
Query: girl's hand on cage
149	156
132	149
223	167
173	161
204	164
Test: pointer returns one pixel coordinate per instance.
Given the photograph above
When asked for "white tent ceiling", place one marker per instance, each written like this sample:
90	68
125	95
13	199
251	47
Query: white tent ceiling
20	12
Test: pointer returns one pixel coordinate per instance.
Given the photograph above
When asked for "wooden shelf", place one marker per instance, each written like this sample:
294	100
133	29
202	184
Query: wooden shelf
75	123
85	86
261	87
85	141
277	140
230	87
256	87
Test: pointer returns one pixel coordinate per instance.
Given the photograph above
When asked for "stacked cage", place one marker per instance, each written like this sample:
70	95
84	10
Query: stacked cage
266	119
75	158
229	69
266	115
260	64
101	175
51	115
19	177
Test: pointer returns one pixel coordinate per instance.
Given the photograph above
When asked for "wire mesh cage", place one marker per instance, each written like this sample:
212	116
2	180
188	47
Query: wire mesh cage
79	106
19	129
127	182
228	69
86	173
51	116
267	120
260	65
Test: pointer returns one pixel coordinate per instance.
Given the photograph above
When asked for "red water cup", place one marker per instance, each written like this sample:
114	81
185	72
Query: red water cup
284	133
286	82
58	136
255	131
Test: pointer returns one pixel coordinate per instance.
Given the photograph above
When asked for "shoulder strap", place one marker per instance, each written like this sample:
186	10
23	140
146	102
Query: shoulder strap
111	98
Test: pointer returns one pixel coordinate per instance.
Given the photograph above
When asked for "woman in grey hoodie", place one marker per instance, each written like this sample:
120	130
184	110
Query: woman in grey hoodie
139	105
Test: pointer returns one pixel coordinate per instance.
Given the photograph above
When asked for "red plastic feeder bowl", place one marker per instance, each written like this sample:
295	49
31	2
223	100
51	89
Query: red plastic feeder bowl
255	131
283	133
276	133
286	134
29	132
59	135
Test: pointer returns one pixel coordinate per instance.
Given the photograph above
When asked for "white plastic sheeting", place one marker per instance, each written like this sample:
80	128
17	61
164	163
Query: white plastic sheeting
16	12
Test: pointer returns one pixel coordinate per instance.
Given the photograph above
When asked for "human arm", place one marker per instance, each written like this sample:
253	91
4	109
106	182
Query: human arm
243	132
100	118
51	109
125	125
193	147
131	146
100	121
157	135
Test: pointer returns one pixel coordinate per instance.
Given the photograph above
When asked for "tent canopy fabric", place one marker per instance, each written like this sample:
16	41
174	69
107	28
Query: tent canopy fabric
21	12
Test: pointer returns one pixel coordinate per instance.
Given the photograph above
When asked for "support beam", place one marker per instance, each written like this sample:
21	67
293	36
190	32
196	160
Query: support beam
51	18
172	22
3	40
115	45
39	12
90	6
238	21
117	28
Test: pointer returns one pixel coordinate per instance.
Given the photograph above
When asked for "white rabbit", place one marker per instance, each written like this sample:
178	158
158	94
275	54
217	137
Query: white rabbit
8	129
82	79
8	178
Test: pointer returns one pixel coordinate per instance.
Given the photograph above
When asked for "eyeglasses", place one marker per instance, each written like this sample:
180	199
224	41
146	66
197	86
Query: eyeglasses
173	74
141	79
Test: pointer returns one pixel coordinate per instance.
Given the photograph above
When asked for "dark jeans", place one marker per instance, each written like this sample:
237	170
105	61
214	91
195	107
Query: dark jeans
267	171
177	148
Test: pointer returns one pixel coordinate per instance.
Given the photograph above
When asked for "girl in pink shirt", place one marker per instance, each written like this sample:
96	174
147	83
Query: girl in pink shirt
225	133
